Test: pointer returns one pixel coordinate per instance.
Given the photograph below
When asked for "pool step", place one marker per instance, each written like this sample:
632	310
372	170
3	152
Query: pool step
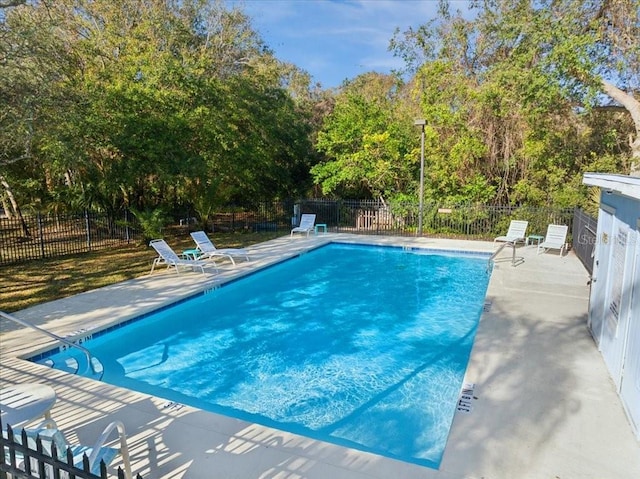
71	365
95	370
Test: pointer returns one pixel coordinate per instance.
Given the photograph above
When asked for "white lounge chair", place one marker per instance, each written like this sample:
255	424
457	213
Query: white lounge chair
209	250
50	435
169	257
516	233
556	238
307	222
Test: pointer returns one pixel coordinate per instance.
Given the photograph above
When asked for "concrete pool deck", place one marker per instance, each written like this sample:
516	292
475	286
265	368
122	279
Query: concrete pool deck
545	407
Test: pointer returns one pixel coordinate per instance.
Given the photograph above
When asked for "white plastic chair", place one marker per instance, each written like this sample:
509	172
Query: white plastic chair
209	250
50	435
167	256
556	238
516	233
307	222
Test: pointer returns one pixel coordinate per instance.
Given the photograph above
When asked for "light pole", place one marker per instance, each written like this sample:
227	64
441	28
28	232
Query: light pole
421	123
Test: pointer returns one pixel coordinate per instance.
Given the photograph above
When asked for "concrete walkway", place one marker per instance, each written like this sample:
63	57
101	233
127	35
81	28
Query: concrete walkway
545	408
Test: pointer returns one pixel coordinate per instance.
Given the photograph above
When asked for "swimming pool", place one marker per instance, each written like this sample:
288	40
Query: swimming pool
364	347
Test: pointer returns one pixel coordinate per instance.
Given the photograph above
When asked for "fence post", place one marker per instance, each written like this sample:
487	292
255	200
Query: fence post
40	234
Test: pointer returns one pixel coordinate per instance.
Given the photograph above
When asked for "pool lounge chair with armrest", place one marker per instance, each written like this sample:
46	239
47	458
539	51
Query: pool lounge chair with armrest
516	233
167	256
556	238
53	440
209	250
307	222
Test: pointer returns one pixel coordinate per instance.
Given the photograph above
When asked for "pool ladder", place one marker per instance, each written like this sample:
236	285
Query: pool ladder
91	367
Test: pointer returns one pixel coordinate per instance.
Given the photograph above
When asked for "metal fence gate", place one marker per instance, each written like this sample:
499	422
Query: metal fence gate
584	237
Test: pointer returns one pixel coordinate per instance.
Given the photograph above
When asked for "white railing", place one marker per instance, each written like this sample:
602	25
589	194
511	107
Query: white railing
90	368
497	252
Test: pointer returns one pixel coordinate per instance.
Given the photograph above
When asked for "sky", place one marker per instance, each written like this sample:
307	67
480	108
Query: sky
334	40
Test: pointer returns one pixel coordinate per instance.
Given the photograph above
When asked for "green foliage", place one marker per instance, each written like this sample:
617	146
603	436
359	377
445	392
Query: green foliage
152	101
180	105
499	95
152	223
368	142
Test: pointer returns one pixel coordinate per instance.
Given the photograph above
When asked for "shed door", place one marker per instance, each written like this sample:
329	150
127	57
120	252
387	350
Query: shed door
630	387
600	272
616	314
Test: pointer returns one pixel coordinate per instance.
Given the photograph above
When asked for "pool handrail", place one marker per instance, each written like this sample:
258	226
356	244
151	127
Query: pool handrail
503	246
85	351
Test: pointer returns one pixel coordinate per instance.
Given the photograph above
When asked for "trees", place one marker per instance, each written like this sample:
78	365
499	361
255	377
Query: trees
28	96
594	45
589	49
511	95
180	105
145	103
367	141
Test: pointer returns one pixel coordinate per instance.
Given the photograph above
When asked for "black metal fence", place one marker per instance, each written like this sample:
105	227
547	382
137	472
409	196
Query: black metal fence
264	216
584	237
52	235
19	460
482	222
44	236
397	219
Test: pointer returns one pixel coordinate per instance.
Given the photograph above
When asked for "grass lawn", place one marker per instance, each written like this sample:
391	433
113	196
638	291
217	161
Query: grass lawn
40	281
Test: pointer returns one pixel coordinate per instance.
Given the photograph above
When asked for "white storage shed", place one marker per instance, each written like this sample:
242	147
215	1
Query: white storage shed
614	306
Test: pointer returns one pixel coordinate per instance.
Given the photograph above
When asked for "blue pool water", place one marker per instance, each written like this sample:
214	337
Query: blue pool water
364	347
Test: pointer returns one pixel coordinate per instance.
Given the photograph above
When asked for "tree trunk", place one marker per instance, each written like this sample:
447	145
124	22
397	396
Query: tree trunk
633	107
12	198
5	207
14	205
